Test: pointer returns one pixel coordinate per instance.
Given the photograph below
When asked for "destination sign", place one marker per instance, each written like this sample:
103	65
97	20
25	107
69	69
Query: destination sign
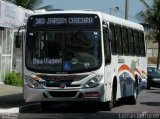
64	20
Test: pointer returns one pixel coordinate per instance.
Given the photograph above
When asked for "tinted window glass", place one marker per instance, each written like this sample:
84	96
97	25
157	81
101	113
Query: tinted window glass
113	42
106	46
142	44
153	70
131	42
118	39
136	42
63	51
125	41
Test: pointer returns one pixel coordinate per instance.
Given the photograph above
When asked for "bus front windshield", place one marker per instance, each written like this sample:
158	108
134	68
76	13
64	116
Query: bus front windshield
63	50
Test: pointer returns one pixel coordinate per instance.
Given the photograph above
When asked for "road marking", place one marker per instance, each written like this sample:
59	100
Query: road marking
10	110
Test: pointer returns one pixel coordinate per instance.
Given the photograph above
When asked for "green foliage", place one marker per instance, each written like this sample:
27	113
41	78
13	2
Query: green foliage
30	4
150	36
12	78
151	15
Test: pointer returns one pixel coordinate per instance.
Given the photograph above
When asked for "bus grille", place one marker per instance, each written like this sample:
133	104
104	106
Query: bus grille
55	81
62	93
57	84
60	78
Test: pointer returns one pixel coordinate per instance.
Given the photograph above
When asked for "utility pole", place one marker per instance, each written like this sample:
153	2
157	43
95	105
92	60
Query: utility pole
126	9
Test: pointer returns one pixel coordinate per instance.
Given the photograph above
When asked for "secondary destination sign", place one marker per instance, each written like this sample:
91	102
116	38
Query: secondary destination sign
64	20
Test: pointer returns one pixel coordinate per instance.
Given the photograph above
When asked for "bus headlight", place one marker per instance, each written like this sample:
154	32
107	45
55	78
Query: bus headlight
93	82
33	83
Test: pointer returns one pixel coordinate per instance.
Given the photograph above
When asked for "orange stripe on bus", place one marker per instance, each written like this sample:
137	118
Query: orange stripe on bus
124	67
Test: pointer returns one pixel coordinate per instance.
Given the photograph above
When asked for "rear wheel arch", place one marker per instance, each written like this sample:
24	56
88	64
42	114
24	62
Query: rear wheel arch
114	88
133	99
136	83
136	79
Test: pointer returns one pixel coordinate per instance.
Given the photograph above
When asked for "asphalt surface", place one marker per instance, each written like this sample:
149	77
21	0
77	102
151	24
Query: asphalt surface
10	97
12	106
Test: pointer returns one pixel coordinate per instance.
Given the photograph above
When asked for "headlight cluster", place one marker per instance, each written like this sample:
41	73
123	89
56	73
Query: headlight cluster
93	82
33	83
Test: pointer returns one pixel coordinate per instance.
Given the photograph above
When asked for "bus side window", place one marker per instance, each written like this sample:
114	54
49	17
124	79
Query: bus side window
106	45
131	42
118	39
113	41
125	41
136	43
142	44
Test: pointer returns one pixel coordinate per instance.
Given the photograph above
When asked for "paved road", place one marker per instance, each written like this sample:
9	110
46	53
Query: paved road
148	102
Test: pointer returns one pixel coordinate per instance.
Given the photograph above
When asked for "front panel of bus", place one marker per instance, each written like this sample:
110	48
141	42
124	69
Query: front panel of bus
63	58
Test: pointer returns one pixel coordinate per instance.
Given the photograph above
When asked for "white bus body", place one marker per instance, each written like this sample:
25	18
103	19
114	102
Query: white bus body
82	60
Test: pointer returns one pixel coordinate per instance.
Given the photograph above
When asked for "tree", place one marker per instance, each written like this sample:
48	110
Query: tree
31	4
151	16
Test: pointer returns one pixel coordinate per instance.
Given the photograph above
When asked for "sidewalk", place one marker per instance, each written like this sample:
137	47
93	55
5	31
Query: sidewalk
10	97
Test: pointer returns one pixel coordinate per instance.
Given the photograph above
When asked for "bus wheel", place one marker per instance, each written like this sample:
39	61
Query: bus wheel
107	106
133	99
46	105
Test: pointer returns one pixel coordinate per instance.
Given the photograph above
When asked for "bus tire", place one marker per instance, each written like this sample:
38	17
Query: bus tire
46	105
107	106
133	99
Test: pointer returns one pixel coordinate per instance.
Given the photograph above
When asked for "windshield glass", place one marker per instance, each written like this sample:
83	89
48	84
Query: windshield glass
63	50
152	70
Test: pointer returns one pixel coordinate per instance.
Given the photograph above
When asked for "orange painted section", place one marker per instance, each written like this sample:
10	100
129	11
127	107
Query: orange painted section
124	67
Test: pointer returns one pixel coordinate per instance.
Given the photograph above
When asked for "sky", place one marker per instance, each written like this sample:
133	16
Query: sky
107	6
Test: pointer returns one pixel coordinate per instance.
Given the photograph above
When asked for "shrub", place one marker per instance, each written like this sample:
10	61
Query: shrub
12	78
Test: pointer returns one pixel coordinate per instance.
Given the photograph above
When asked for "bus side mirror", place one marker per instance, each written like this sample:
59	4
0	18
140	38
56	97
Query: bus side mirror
18	41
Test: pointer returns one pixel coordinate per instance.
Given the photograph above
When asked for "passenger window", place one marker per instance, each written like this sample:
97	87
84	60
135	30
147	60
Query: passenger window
113	42
136	43
142	44
131	43
118	39
106	45
125	41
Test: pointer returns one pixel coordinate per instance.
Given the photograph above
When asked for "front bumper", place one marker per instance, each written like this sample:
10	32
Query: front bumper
87	94
154	83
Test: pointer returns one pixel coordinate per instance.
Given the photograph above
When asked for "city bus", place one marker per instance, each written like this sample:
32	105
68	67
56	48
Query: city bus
83	56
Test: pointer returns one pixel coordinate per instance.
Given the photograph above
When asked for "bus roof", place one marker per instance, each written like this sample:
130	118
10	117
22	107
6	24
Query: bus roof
120	21
105	17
